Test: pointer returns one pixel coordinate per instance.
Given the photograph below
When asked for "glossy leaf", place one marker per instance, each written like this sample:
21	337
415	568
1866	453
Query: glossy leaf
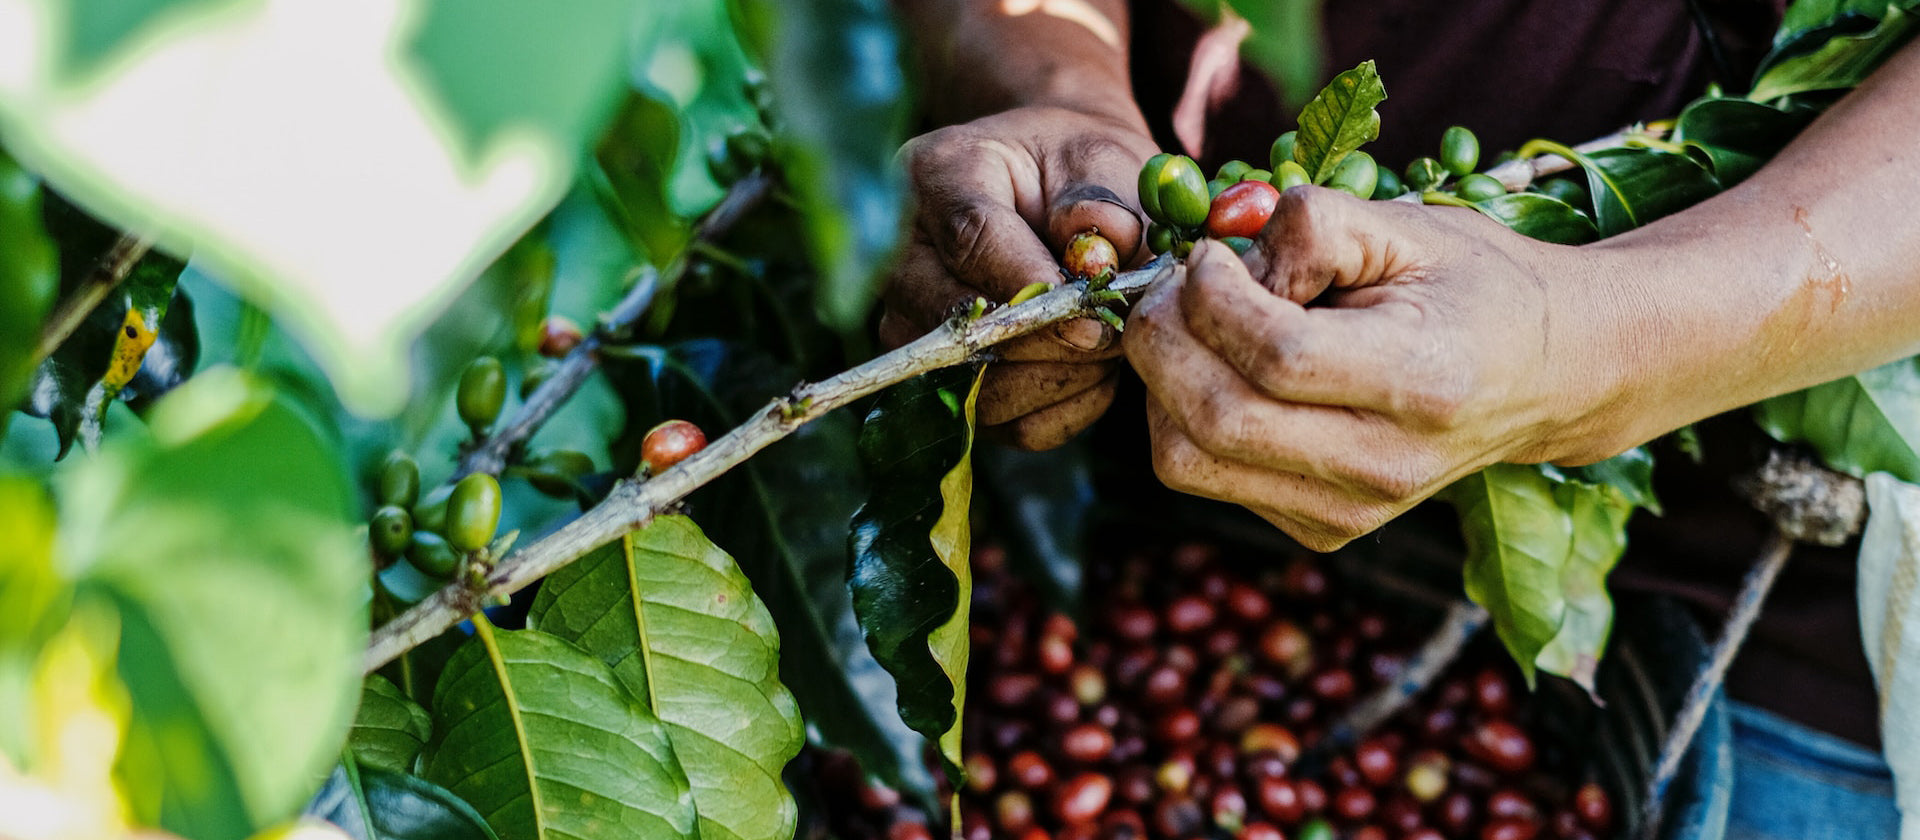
1843	59
680	625
365	119
1538	551
1043	502
1860	424
1630	473
390	729
546	743
1810	17
912	585
1737	136
841	94
225	547
28	280
1342	118
1631	187
371	803
1541	217
793	546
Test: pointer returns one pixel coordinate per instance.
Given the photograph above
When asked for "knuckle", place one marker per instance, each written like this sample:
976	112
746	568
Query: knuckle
1394	479
1343	524
1216	423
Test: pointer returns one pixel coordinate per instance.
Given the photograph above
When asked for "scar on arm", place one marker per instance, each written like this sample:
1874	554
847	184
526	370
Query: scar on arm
1076	11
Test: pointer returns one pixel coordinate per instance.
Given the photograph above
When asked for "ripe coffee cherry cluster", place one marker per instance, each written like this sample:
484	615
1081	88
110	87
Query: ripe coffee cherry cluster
1182	709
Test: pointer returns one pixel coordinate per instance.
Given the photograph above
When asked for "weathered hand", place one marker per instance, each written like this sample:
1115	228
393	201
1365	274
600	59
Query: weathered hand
1437	342
998	198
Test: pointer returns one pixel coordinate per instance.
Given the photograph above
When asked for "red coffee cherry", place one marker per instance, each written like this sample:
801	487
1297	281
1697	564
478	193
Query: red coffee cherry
558	336
1242	209
670	443
1089	255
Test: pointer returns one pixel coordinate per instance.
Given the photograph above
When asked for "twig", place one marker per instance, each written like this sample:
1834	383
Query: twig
1518	174
491	455
1463	621
1746	608
107	275
632	504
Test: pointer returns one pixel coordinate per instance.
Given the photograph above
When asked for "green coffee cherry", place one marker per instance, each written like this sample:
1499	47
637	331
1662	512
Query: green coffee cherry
1289	175
1356	175
1233	171
749	148
1459	151
473	512
1282	151
1183	193
1425	174
399	480
483	389
555	473
1315	829
721	165
1258	175
1215	187
1387	183
1150	186
1478	187
1239	244
433	556
390	531
1159	238
430	514
1565	189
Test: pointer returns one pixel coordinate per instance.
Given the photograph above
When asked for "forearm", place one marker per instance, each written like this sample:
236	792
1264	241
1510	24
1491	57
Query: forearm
1808	271
980	57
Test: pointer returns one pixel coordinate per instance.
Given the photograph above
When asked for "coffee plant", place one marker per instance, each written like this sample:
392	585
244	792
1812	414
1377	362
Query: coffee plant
408	439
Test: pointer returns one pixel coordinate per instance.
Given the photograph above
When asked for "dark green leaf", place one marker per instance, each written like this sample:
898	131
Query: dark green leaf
1804	17
912	586
1538	551
680	625
634	173
370	803
1865	423
29	276
1630	473
1043	501
224	544
546	743
1541	217
689	59
1843	61
793	546
842	98
1736	135
1631	187
1342	118
389	729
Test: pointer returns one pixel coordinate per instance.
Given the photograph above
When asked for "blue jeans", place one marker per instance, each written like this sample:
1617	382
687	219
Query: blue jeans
1794	783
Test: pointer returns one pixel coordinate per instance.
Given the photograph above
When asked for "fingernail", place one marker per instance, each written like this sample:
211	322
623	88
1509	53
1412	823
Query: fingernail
1091	336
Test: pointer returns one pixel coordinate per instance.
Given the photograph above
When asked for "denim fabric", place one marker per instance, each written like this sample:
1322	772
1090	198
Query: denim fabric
1794	783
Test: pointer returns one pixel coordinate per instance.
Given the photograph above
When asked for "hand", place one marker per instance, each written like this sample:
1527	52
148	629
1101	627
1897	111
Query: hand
998	198
1440	342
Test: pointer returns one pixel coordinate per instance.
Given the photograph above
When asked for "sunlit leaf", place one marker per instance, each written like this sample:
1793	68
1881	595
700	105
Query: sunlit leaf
300	149
1860	424
547	743
1630	473
1340	119
681	626
1538	552
912	585
224	546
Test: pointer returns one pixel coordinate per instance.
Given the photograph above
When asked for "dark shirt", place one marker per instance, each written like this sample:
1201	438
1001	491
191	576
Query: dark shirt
1573	70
